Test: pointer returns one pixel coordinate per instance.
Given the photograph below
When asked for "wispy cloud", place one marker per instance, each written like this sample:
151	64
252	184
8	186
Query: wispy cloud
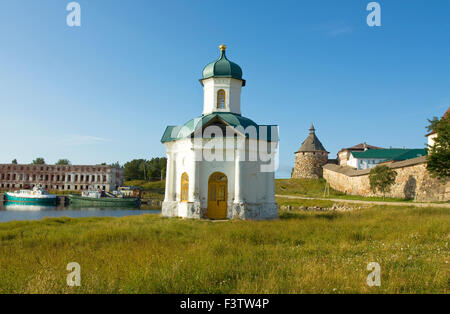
78	140
334	28
340	30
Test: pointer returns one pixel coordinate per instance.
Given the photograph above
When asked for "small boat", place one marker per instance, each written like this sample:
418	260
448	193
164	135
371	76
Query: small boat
36	196
103	199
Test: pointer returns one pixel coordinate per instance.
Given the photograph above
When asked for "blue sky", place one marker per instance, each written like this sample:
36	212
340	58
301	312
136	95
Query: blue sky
105	91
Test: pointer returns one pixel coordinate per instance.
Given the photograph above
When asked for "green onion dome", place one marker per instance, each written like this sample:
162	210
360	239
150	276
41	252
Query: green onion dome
222	67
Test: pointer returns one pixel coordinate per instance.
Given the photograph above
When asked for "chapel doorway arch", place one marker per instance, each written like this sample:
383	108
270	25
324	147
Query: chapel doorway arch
217	196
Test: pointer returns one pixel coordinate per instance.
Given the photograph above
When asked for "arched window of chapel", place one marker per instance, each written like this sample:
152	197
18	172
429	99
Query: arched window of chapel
221	99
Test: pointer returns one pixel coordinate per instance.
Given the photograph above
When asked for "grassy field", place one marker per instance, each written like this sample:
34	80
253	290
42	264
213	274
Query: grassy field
302	202
316	187
301	252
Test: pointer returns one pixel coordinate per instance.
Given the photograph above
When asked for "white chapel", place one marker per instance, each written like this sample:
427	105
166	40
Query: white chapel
221	165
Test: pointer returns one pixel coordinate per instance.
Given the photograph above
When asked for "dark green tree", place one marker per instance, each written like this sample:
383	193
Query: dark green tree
63	162
381	179
39	161
14	162
439	154
133	170
156	168
141	169
116	165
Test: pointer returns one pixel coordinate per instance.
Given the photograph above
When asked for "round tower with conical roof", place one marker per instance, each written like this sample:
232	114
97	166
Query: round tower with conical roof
310	158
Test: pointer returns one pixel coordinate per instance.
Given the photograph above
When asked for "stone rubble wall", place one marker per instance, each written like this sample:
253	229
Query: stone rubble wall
334	208
413	181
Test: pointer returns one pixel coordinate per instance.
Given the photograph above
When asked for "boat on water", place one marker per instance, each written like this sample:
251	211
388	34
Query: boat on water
103	199
36	196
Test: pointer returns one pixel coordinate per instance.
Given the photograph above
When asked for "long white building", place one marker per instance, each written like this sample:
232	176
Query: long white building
61	177
372	157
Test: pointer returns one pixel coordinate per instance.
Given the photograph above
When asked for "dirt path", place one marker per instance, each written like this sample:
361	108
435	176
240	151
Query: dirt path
339	200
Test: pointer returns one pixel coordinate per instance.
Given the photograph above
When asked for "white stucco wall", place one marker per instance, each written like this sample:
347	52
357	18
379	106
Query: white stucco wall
362	163
352	162
255	189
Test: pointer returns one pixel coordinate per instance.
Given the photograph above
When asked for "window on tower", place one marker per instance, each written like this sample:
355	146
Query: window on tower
221	99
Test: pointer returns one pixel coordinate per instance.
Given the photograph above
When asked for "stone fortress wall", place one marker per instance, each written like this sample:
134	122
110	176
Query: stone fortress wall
413	181
309	164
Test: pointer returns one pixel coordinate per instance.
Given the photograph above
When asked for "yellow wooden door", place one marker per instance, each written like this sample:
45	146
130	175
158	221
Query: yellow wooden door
217	196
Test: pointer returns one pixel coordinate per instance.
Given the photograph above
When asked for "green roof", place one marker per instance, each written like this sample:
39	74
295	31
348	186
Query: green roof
223	67
396	154
173	133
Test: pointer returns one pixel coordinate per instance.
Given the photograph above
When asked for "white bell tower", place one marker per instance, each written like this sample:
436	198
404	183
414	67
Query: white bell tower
222	83
221	95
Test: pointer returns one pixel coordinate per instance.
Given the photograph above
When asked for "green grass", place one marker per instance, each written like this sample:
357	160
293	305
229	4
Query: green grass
316	187
304	187
300	252
150	189
301	202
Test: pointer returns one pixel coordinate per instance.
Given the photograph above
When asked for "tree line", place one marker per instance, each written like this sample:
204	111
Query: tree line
63	162
41	161
136	169
142	169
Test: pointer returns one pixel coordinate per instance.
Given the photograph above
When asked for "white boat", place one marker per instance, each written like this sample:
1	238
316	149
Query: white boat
36	196
91	194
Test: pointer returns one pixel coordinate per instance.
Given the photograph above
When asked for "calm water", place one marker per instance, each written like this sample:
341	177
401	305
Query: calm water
11	211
